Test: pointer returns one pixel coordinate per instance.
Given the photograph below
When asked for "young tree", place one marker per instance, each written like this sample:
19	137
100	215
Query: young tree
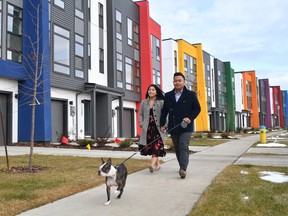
34	90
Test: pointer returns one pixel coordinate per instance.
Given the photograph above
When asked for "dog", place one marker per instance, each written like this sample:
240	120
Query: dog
115	176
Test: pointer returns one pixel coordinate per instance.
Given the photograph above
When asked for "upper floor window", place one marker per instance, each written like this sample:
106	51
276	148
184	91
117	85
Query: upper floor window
175	62
59	3
185	62
79	8
14	33
79	56
101	25
118	25
101	60
157	49
130	31
61	50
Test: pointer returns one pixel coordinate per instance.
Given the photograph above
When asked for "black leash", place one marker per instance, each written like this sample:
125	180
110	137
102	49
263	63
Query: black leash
151	143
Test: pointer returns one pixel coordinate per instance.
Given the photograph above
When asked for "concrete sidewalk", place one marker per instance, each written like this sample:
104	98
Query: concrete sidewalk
159	193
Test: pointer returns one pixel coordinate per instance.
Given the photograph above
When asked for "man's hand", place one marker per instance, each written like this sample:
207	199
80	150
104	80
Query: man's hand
187	120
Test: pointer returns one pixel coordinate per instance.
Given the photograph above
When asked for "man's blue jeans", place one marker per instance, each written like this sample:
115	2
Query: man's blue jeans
181	144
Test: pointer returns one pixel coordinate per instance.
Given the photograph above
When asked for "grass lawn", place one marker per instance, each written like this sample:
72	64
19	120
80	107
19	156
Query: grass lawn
64	176
199	142
233	193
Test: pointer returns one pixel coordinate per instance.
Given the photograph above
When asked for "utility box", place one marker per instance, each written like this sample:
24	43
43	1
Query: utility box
262	134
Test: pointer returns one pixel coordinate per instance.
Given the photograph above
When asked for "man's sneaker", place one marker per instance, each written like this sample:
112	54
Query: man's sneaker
182	173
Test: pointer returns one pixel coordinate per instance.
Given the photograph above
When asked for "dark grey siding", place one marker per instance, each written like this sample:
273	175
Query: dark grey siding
66	19
207	70
130	10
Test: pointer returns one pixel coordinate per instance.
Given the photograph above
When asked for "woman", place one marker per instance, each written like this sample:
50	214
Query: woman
152	138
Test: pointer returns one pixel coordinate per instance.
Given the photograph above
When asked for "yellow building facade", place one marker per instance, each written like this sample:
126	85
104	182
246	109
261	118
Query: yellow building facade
191	64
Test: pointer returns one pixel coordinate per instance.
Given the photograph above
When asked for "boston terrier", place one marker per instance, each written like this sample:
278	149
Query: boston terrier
115	176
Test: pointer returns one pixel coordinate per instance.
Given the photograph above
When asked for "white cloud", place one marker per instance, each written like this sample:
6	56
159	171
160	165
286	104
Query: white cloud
252	35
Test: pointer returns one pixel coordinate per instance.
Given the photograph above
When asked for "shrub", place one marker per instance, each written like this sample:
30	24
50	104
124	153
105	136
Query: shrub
126	143
198	136
224	135
209	135
85	142
101	140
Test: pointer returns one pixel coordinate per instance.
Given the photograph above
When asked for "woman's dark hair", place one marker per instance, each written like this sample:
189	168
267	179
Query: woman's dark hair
160	93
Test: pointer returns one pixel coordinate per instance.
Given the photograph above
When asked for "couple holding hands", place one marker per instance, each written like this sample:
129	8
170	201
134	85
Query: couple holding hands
182	107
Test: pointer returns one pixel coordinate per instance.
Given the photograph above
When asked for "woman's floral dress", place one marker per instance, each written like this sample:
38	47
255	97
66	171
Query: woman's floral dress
155	146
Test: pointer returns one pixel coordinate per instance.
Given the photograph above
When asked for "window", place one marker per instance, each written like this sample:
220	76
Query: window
101	60
185	62
62	50
156	77
118	25
136	76
100	15
79	7
130	31
59	3
157	49
79	56
129	74
175	61
89	55
119	71
14	32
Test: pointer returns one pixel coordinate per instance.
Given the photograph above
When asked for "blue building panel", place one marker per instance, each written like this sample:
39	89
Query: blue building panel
36	52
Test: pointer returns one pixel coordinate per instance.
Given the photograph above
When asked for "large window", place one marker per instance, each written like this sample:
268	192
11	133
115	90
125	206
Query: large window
79	7
100	15
157	49
130	31
118	25
59	3
61	50
79	56
129	74
14	32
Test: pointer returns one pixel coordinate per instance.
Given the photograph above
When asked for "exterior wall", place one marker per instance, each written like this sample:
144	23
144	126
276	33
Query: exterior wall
10	87
254	117
42	107
285	107
150	30
264	103
169	48
238	101
230	120
201	122
70	97
221	95
68	20
94	76
277	107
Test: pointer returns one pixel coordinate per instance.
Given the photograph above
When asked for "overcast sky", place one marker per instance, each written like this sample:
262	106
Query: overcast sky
251	34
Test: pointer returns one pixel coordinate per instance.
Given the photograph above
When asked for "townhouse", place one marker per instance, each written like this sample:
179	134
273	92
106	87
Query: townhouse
88	68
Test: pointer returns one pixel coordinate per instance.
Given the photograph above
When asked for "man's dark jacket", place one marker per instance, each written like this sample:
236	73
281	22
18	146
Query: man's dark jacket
187	106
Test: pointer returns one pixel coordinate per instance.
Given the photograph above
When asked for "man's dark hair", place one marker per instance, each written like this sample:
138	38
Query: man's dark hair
179	74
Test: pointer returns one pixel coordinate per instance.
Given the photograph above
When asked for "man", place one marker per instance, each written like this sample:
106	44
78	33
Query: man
182	107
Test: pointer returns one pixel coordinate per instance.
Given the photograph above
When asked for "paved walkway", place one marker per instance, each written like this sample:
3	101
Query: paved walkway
161	193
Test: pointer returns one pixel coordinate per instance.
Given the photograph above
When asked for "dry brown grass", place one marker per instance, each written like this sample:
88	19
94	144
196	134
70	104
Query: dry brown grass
233	193
64	176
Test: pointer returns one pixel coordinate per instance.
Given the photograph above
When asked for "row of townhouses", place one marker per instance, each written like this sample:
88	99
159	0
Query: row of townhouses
84	66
